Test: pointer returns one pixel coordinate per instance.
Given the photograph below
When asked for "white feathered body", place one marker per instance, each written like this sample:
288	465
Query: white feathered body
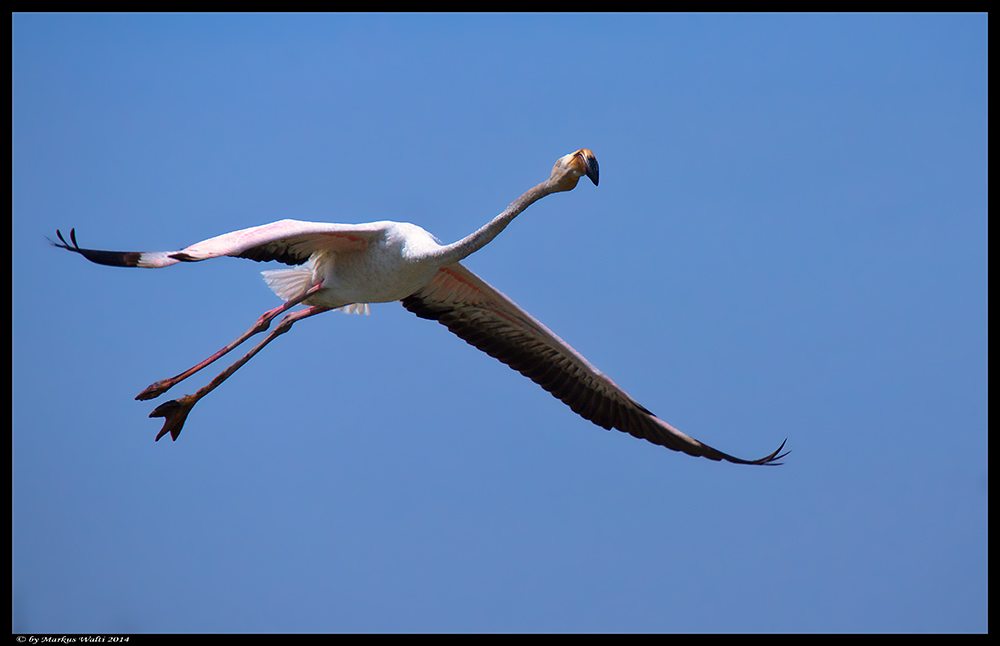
390	266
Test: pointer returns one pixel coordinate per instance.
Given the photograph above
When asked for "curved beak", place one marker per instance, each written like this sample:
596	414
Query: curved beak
590	164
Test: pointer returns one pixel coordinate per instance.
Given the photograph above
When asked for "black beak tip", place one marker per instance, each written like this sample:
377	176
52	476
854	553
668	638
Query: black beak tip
593	170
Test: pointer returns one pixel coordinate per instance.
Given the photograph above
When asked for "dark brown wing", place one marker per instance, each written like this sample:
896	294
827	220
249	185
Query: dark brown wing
490	321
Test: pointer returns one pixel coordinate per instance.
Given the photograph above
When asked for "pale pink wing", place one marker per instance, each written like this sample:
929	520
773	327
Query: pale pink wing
287	241
490	321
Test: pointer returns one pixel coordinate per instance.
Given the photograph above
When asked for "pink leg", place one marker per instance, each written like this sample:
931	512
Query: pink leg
262	324
176	410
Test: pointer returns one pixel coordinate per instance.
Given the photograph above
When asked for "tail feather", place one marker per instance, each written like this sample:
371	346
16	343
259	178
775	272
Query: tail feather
291	282
294	281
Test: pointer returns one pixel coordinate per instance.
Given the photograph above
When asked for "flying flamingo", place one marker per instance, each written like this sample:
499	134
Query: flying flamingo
347	266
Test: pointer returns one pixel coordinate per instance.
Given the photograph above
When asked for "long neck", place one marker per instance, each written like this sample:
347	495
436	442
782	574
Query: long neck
457	251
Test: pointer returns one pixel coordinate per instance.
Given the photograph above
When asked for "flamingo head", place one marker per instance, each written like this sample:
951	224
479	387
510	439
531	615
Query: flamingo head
570	168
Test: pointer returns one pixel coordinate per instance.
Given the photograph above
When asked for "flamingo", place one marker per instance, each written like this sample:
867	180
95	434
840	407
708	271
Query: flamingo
348	266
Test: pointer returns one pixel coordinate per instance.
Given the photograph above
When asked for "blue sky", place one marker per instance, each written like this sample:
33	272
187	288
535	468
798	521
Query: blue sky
789	240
